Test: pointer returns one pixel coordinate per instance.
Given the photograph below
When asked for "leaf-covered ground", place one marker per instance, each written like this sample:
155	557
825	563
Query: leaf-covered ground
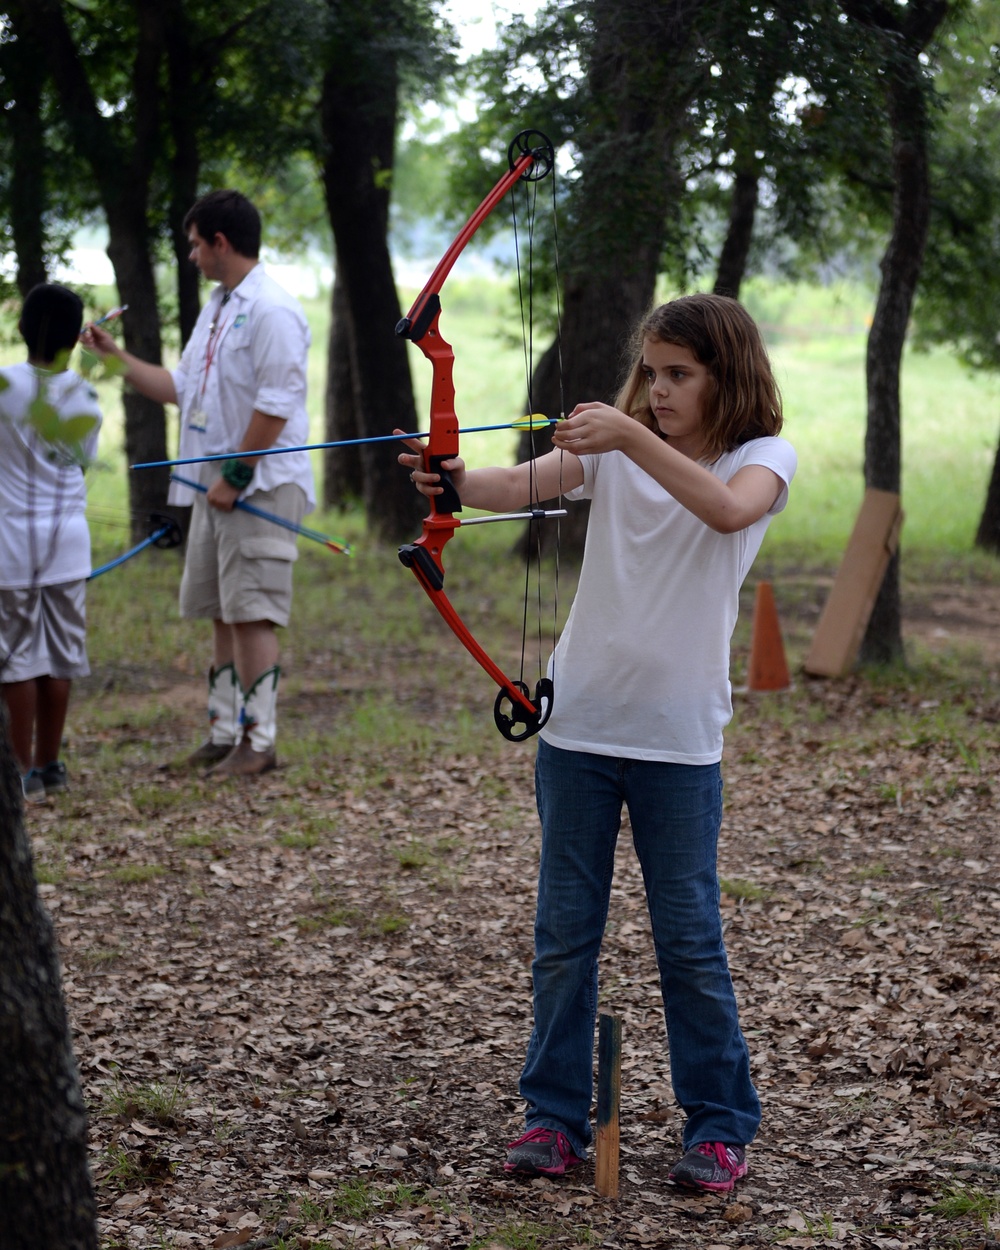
300	1005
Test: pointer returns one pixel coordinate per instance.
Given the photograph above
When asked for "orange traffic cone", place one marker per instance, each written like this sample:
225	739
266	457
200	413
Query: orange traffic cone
768	668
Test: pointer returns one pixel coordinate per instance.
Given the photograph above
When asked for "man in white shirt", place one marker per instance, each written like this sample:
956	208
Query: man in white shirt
241	387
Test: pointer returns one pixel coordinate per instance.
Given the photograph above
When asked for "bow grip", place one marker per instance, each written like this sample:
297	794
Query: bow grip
448	501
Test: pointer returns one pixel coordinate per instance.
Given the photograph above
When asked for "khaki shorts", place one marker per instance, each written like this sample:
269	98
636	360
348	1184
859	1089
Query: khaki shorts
43	632
238	566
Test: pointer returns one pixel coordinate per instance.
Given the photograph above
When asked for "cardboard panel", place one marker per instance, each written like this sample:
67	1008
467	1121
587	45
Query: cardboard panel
845	616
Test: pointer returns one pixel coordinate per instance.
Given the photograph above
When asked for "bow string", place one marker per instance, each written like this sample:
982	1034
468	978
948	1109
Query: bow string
518	713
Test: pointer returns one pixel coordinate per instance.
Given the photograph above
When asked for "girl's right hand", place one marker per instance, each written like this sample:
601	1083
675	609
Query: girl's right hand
428	483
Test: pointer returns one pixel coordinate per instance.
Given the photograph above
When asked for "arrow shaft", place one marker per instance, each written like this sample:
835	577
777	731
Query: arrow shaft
304	530
344	442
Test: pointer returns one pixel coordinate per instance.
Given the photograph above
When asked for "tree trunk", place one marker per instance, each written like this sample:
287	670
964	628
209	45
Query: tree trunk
24	68
736	246
145	420
988	533
123	178
46	1196
183	104
904	38
358	113
342	468
628	187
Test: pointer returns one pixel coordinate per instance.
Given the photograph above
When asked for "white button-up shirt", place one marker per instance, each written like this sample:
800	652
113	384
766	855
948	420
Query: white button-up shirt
248	352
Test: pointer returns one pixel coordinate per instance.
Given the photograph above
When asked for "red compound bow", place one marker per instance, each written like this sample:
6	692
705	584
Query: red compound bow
517	713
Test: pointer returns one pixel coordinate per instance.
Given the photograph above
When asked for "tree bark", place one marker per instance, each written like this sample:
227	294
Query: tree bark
904	33
183	105
145	421
629	185
46	1195
123	176
358	113
988	533
739	235
343	472
24	69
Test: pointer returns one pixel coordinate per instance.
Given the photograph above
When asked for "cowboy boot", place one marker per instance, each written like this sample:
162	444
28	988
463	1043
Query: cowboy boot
225	703
255	752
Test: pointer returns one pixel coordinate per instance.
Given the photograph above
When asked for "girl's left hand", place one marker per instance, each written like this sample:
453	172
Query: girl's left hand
591	428
428	484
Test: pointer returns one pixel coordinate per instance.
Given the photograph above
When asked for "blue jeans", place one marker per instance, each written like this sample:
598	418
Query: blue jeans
675	811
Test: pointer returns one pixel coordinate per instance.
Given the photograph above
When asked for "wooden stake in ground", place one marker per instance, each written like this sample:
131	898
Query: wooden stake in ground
841	627
609	1089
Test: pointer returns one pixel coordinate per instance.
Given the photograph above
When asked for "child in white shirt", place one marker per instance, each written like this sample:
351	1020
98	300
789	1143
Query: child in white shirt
44	539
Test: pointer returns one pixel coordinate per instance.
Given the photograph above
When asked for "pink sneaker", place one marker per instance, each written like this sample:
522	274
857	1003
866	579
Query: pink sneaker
541	1152
710	1165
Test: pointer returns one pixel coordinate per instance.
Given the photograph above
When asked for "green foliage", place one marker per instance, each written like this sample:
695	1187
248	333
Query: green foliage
961	1201
66	436
960	282
742	890
138	874
817	339
518	1234
130	1169
159	1102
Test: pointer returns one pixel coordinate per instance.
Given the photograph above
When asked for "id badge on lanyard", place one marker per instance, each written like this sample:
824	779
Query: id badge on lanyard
198	417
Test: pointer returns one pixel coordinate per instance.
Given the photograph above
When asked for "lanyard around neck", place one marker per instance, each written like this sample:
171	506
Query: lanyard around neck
214	337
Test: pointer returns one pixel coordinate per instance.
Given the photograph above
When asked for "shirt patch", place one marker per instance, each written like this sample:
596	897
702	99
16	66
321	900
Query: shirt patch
240	320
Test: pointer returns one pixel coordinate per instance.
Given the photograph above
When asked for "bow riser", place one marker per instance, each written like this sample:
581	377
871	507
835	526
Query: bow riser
442	439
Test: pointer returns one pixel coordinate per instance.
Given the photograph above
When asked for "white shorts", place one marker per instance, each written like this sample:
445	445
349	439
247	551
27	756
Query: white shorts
43	632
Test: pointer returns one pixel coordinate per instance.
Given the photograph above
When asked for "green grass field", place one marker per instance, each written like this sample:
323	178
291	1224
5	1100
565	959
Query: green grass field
951	420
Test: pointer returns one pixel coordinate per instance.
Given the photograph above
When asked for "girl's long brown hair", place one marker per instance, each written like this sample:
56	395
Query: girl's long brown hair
743	402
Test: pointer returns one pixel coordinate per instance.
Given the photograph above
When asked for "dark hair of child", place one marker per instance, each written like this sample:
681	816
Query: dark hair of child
51	320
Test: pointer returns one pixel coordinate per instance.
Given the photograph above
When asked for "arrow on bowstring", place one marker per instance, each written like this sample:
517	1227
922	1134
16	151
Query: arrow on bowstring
334	544
534	422
166	534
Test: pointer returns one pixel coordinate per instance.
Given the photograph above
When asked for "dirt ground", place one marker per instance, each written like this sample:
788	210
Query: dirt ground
300	1005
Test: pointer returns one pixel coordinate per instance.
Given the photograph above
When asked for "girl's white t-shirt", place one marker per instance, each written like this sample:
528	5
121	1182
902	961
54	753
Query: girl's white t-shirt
44	538
641	670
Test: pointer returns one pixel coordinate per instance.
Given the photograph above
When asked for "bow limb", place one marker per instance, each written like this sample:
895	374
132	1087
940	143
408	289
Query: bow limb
164	532
517	715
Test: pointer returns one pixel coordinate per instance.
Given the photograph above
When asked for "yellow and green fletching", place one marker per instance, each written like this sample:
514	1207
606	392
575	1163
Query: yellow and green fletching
532	421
